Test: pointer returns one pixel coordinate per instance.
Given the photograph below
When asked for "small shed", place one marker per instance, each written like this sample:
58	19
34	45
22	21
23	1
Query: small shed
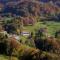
25	32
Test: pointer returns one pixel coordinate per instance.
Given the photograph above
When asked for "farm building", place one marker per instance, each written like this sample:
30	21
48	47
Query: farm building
28	21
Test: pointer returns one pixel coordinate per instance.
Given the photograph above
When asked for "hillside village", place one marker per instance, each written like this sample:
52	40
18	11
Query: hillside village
29	30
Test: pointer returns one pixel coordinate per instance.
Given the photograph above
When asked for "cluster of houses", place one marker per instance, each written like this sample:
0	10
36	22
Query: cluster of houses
18	23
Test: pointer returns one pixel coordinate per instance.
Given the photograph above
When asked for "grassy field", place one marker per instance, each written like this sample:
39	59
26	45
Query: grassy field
52	27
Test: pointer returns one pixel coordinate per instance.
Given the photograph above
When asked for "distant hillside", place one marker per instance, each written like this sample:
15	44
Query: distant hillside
28	7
